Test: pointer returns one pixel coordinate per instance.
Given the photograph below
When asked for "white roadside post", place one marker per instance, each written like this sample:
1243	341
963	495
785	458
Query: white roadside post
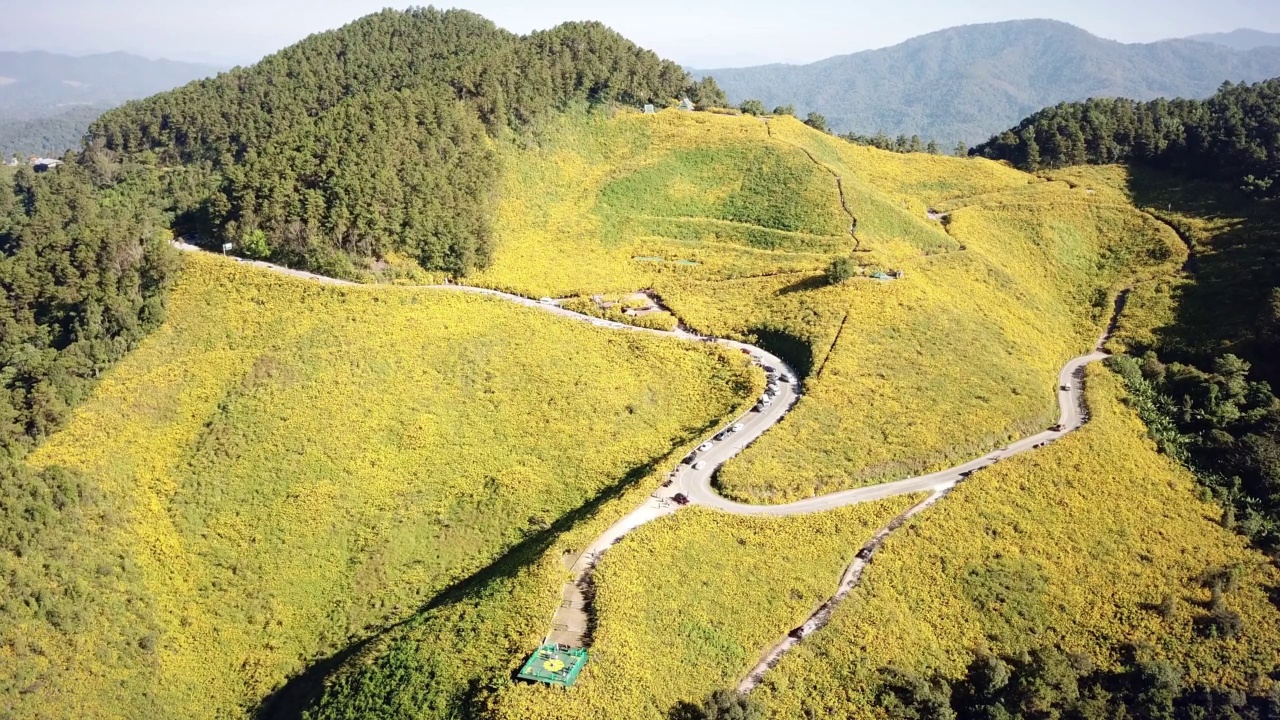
226	248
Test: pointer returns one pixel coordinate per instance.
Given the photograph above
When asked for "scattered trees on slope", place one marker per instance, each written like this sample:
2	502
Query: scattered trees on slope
1048	683
1232	136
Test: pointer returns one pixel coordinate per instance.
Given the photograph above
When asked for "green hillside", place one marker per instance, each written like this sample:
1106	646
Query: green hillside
229	491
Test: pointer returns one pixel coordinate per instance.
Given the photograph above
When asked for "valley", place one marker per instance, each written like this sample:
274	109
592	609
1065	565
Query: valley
376	366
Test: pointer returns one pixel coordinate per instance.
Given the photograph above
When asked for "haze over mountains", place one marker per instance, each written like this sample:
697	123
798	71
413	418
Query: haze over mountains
1242	39
47	100
967	83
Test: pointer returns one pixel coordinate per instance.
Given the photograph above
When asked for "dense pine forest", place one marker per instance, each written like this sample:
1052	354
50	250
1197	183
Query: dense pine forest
1233	136
375	138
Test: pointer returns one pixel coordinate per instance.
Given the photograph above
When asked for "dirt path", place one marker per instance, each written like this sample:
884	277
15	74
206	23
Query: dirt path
572	619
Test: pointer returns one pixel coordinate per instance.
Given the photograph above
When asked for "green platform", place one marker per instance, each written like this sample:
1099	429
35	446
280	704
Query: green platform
554	665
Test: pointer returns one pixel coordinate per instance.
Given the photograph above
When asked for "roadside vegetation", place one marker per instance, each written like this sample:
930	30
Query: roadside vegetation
284	468
1096	547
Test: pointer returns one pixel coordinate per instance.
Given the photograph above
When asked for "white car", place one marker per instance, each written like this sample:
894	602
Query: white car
700	465
547	301
736	428
705	447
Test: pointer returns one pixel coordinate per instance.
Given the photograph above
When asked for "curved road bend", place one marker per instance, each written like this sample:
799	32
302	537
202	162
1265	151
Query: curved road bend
571	618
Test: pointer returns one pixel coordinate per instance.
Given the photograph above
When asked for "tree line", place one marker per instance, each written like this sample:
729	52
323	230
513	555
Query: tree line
1223	425
376	137
1049	683
1233	136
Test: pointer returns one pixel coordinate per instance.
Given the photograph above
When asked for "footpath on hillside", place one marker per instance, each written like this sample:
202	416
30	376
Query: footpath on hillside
691	482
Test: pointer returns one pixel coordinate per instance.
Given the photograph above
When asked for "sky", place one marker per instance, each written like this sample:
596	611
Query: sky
697	33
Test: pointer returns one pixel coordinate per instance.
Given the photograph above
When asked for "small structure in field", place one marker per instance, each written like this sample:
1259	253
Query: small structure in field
649	109
686	105
554	665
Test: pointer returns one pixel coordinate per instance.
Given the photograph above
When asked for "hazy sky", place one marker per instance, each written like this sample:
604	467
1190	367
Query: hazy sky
704	33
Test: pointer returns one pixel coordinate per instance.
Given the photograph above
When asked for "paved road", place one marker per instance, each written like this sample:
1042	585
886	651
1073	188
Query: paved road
693	478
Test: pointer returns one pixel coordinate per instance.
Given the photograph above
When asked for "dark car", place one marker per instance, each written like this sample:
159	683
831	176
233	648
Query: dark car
680	499
865	553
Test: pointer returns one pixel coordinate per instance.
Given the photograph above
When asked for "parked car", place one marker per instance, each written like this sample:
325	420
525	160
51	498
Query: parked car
1056	428
1064	388
680	499
700	465
736	428
547	301
864	553
784	378
705	447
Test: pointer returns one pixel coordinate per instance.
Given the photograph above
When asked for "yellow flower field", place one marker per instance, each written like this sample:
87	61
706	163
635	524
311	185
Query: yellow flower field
297	465
688	605
1080	541
957	358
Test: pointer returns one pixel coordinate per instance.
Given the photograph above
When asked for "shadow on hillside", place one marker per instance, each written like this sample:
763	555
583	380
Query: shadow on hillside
1234	270
303	691
813	282
795	350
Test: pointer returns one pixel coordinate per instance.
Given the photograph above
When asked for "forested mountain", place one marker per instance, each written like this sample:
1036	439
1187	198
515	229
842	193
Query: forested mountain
965	83
1232	136
371	138
41	84
47	136
1242	39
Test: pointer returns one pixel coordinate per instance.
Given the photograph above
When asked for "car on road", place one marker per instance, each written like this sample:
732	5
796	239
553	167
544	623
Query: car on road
547	301
758	407
865	553
769	369
721	435
736	428
1056	428
680	499
700	465
1064	388
705	447
784	378
966	473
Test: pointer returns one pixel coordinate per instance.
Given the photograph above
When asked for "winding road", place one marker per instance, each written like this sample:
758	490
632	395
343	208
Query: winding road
693	479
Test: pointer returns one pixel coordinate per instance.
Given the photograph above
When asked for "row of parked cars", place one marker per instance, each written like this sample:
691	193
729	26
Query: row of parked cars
771	390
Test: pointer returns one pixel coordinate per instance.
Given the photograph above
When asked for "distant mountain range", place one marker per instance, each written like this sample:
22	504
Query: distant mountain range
1242	39
39	84
967	83
48	100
